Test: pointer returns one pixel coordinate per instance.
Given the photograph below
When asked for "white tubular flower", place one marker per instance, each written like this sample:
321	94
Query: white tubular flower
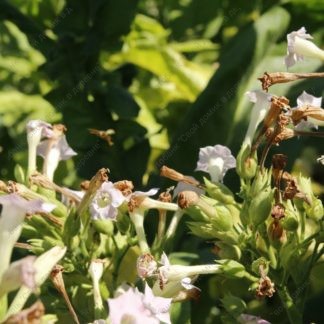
170	272
54	150
260	108
96	270
43	266
216	160
174	278
14	209
36	130
21	272
141	199
135	307
106	202
305	99
300	46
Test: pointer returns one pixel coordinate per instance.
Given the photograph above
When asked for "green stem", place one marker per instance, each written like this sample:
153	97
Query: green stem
137	217
294	315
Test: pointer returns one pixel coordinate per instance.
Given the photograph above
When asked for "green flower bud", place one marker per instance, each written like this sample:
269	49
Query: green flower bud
262	181
260	207
244	214
291	220
315	210
246	165
233	305
43	227
219	192
305	186
104	226
123	221
261	244
290	224
203	230
19	173
228	251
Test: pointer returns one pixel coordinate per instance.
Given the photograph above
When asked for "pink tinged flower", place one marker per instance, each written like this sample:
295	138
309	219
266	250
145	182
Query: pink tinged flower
36	130
53	151
106	202
216	160
146	265
14	209
305	99
299	46
21	272
182	186
251	319
260	108
135	307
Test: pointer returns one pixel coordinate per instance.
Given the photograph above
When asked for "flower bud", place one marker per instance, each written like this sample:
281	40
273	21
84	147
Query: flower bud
227	251
219	192
261	182
246	163
260	207
315	210
104	226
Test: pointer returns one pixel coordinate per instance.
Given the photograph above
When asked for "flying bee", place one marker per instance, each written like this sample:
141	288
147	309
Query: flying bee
105	135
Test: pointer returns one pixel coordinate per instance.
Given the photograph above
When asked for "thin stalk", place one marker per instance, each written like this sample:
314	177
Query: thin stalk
294	315
173	225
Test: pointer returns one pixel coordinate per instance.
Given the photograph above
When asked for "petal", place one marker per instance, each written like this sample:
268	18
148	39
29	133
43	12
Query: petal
66	151
42	148
164	260
306	99
148	193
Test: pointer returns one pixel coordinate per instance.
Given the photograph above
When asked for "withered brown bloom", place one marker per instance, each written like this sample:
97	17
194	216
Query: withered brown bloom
269	79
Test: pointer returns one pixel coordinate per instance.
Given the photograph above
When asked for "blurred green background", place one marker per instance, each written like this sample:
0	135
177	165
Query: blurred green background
168	76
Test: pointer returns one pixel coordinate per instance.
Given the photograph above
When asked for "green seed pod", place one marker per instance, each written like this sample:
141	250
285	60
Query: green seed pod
219	192
260	207
290	224
104	226
260	262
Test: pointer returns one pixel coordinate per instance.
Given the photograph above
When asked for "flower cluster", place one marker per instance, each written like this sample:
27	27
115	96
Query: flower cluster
91	242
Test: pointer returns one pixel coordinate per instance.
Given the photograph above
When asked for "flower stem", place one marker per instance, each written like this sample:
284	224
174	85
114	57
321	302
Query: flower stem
137	217
173	225
294	315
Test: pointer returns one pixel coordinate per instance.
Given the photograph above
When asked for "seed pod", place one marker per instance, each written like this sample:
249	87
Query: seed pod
260	207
